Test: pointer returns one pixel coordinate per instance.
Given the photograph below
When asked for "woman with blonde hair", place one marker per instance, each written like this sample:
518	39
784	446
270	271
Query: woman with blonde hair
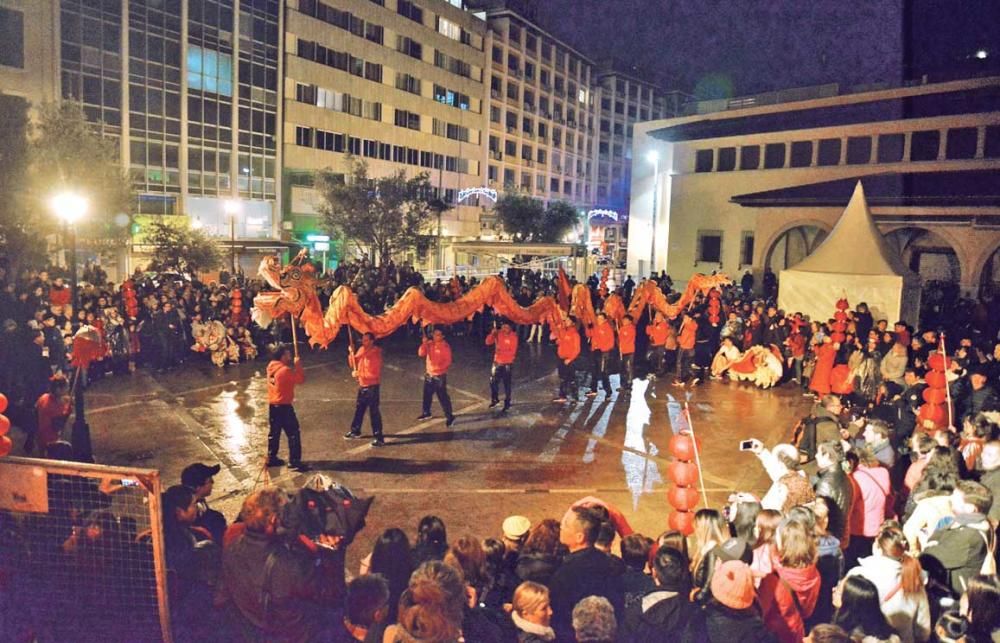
531	613
788	596
709	533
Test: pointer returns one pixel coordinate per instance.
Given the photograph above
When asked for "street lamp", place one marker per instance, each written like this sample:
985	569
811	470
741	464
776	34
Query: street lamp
653	157
232	208
70	207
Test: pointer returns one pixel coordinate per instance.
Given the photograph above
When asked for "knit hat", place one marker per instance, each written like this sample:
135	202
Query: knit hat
515	527
732	585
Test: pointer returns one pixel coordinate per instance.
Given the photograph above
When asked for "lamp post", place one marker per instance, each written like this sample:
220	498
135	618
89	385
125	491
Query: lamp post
70	208
232	208
654	157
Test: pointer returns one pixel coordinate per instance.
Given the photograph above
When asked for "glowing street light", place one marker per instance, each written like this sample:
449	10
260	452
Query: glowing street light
653	157
69	206
982	54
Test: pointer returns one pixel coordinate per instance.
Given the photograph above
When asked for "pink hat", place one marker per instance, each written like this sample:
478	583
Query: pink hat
732	584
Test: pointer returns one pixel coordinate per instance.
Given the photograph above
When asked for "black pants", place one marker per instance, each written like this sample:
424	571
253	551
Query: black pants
685	358
368	400
600	371
281	417
500	373
437	384
656	355
627	370
567	380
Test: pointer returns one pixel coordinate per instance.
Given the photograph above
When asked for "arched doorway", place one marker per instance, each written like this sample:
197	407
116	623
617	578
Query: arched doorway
927	254
794	245
989	282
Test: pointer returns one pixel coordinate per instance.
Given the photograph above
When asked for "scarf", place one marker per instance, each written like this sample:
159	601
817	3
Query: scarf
542	631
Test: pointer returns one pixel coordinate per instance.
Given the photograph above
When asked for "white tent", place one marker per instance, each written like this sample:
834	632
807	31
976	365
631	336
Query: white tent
854	262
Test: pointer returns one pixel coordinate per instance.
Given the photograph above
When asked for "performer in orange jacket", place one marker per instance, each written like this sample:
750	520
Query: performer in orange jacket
686	337
367	365
437	354
602	342
505	341
284	373
568	341
626	347
658	332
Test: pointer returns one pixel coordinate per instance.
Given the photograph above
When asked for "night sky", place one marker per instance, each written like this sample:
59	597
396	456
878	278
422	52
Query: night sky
715	48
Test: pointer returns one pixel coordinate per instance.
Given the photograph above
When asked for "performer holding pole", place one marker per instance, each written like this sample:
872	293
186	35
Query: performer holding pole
437	354
366	363
568	341
602	341
626	348
284	373
505	341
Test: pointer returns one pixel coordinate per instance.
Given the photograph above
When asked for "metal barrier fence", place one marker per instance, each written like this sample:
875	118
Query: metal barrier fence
81	553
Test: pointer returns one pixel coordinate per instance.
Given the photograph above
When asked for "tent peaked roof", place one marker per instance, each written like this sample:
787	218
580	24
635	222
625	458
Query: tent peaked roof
855	246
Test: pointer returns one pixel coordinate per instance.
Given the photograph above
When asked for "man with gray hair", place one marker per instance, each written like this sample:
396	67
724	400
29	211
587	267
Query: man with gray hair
594	620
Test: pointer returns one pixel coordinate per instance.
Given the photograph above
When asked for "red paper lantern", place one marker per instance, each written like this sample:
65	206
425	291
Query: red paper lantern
682	521
6	445
935	413
839	327
842	304
840	316
683	498
4	424
936	379
938	362
684	474
237	294
713	319
935	395
682	447
3	402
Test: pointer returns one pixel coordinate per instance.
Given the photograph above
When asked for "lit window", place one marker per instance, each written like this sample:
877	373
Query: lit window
449	29
210	71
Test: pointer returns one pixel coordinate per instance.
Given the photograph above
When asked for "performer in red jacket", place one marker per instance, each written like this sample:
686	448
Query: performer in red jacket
437	354
284	373
568	341
505	341
367	365
602	342
626	346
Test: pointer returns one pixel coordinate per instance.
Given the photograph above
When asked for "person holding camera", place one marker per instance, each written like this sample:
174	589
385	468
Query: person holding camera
437	354
366	363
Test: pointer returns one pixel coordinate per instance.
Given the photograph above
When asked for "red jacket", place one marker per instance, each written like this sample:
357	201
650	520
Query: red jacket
438	356
506	343
568	340
602	337
626	339
781	615
687	335
59	296
367	361
658	332
281	381
51	415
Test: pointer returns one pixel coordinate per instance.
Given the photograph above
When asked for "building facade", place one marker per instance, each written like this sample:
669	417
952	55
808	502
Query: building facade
188	89
397	84
759	181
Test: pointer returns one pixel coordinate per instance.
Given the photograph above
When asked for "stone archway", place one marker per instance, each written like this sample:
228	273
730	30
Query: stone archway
989	279
792	245
926	253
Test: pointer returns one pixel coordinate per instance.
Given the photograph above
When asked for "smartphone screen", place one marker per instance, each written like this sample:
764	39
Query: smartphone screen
130	483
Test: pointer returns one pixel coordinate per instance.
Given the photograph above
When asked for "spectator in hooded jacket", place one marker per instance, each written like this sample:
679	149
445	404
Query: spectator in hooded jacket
665	612
788	595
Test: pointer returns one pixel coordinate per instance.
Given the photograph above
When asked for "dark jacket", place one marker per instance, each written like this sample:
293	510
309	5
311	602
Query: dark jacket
959	548
991	480
985	399
588	572
663	615
537	567
726	625
835	485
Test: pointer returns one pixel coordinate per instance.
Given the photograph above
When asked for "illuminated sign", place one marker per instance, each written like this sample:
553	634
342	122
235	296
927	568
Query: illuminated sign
317	237
611	214
489	193
321	246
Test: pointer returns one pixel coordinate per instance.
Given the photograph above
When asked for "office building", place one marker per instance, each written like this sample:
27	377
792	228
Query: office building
759	181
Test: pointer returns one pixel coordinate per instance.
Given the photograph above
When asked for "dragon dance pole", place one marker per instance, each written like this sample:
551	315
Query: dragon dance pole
697	454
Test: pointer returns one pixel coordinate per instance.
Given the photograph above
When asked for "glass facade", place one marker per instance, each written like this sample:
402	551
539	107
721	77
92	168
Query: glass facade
258	98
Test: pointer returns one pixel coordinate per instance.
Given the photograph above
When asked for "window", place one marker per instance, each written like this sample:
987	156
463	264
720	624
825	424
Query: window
924	146
991	146
703	160
802	153
961	143
746	249
727	159
710	245
497	55
449	29
890	148
492	172
372	111
303	136
408	83
859	150
510	148
774	156
210	71
829	152
494	114
541	157
750	157
449	97
407	119
375	33
553	185
373	71
410	47
409	10
12	37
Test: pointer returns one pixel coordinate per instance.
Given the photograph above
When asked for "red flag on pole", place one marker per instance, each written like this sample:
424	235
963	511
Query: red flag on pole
564	289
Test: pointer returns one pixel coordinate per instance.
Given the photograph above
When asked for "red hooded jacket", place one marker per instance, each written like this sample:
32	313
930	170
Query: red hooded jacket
568	340
626	338
438	356
602	337
782	616
506	343
367	361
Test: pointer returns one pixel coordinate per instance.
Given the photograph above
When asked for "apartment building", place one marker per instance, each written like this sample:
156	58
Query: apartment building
396	83
189	90
542	112
759	181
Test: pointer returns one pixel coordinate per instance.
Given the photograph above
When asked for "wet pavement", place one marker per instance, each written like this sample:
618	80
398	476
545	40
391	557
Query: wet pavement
534	460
